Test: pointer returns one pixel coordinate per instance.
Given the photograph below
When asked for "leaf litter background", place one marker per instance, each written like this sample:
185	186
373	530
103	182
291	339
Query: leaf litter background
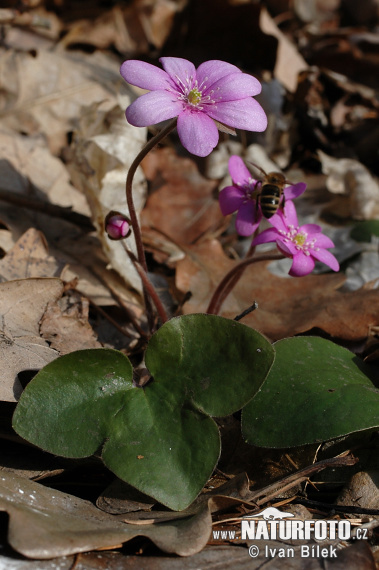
65	150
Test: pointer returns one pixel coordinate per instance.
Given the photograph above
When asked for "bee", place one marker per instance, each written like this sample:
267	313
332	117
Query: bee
271	191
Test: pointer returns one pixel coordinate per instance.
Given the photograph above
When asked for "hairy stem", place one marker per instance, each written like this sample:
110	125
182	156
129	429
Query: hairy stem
149	288
129	189
134	219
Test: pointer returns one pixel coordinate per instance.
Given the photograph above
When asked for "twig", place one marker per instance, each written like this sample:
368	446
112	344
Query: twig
267	493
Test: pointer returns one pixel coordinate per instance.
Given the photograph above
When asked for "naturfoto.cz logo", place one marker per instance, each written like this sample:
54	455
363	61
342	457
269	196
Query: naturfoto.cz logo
273	524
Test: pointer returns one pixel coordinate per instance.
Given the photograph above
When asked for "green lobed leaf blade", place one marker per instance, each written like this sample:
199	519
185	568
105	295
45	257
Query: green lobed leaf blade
218	364
68	407
168	452
315	391
150	439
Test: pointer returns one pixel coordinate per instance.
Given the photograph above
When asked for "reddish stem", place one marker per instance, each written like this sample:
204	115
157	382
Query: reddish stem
133	214
149	288
129	193
231	278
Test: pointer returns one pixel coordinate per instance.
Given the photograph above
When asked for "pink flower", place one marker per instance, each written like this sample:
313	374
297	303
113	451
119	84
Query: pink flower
242	197
117	225
215	91
304	244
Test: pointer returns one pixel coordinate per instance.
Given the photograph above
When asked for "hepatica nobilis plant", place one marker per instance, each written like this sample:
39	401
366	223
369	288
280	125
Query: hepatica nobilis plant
161	437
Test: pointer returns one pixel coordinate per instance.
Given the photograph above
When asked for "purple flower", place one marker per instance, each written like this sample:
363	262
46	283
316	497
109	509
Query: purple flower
215	91
304	244
117	225
242	197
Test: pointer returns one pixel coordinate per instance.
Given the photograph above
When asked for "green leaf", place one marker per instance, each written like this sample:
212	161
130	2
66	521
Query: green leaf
159	438
363	231
68	407
171	457
221	363
315	391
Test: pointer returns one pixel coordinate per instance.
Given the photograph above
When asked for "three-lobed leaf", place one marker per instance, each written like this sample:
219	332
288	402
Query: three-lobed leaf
160	439
315	391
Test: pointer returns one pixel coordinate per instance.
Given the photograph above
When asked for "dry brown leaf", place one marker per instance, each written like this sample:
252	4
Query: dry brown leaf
105	31
286	306
157	18
45	523
22	305
29	258
181	203
361	491
65	326
357	190
120	498
105	147
289	62
41	96
33	29
28	168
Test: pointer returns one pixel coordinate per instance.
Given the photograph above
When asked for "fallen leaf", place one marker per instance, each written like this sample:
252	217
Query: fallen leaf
352	183
28	168
22	305
104	149
108	30
45	523
119	498
65	325
181	203
289	62
361	491
29	258
40	96
311	301
157	18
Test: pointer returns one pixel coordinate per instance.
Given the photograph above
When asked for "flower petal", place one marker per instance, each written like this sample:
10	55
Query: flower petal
292	192
279	221
152	108
238	171
233	87
311	229
210	71
144	75
230	199
326	257
197	133
285	248
324	241
290	215
301	265
266	236
247	220
244	114
180	70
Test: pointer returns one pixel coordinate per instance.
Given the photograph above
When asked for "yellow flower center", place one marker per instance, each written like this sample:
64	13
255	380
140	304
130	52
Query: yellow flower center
194	97
300	239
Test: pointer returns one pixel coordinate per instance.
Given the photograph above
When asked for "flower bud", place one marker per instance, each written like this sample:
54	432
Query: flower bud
117	225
